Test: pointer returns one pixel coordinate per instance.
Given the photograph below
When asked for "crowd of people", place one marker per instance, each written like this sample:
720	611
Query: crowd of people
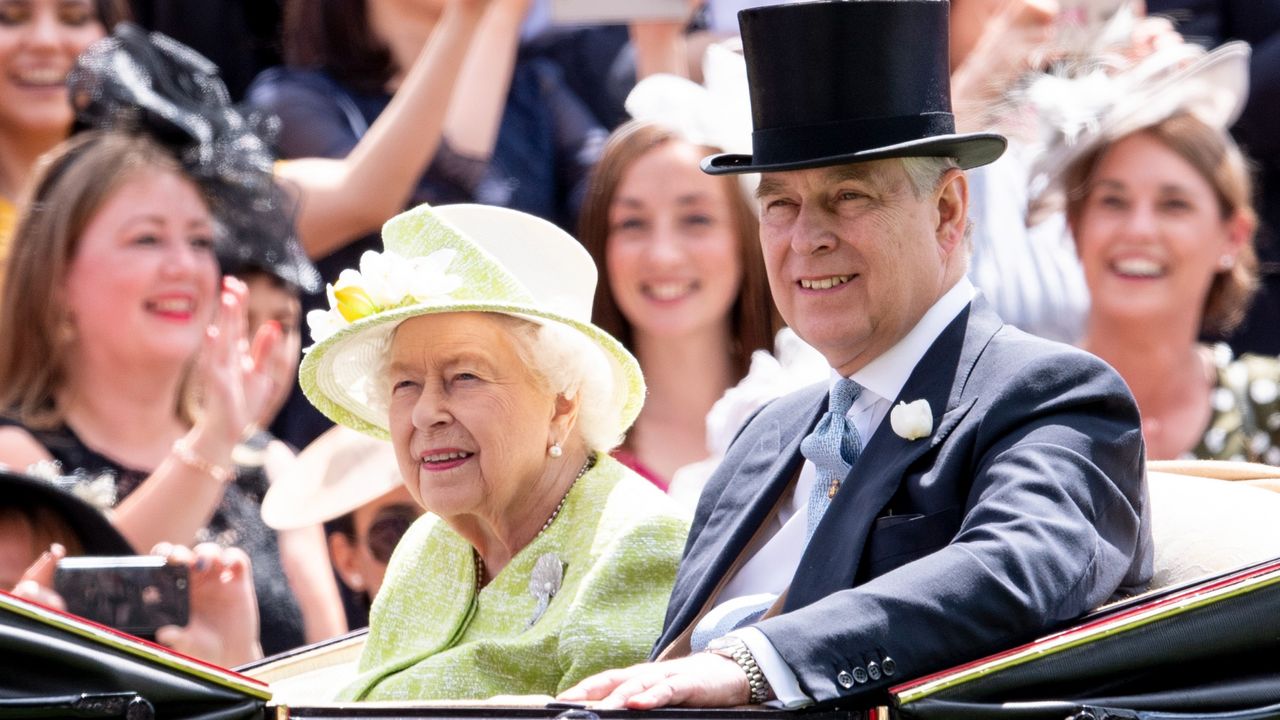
641	362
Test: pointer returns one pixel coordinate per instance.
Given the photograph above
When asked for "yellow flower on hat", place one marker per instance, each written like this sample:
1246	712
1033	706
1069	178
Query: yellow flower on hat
384	281
353	303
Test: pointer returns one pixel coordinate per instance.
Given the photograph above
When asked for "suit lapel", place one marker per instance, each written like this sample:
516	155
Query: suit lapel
746	503
940	379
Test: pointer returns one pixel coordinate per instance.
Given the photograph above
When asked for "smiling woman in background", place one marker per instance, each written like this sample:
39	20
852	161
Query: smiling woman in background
125	350
1158	199
39	43
683	285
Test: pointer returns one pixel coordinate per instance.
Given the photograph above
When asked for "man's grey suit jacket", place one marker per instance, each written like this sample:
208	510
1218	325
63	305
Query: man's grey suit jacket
1025	507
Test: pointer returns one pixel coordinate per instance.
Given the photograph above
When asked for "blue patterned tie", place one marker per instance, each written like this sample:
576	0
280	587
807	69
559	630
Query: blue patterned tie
833	447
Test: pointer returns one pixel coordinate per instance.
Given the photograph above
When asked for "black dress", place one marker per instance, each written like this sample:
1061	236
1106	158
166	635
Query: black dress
237	521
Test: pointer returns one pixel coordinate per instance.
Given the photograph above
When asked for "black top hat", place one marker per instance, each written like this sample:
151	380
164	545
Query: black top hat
848	81
97	535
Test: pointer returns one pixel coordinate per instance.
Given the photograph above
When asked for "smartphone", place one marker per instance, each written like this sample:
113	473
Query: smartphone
605	12
134	594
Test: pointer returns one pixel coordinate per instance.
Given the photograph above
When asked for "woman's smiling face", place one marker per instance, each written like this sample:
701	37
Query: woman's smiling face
470	421
144	282
1151	233
672	254
39	43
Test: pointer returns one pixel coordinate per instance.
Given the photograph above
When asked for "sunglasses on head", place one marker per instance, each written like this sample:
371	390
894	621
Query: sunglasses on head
388	526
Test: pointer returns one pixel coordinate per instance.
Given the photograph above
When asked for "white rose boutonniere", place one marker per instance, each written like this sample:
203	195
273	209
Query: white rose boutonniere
912	420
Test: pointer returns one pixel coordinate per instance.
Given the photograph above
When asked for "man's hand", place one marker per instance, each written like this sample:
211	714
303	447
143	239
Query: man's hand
700	680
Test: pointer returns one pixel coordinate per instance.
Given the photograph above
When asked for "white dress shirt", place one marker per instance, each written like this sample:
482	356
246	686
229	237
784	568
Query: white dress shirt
770	568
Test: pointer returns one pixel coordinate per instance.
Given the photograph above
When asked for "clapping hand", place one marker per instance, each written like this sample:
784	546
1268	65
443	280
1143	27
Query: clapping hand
237	381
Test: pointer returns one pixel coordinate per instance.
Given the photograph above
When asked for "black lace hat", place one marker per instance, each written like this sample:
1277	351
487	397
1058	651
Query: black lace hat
136	81
842	82
62	495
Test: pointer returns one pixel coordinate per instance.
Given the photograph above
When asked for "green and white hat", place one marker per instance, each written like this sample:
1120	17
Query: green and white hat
454	258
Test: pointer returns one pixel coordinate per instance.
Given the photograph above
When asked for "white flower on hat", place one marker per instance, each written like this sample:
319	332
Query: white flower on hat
912	420
429	279
384	281
324	323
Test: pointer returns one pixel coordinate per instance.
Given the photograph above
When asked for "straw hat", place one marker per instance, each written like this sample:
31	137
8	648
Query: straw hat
455	258
340	472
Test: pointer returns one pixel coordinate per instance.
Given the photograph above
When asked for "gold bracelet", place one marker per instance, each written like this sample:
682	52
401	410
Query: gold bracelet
188	457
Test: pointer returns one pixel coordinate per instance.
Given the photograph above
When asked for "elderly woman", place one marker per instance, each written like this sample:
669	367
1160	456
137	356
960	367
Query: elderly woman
1159	201
542	559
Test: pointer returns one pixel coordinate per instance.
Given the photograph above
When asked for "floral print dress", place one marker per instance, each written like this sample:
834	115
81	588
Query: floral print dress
1245	424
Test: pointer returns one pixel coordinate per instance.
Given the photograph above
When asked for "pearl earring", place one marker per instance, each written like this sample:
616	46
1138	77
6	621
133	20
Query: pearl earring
1226	262
555	451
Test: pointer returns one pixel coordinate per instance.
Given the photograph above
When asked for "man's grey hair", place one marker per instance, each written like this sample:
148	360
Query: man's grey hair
925	173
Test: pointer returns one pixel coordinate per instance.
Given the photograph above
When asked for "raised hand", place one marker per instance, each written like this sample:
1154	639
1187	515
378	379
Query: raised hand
236	381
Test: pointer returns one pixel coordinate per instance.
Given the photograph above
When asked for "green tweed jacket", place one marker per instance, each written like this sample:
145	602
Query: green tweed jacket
433	637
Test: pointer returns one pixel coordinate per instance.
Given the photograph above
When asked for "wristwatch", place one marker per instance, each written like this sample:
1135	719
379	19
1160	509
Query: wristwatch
736	650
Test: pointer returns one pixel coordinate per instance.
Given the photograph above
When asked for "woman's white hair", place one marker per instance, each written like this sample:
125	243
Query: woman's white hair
569	364
564	361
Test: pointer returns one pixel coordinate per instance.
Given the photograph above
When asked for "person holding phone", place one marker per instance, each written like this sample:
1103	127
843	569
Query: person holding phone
125	350
43	520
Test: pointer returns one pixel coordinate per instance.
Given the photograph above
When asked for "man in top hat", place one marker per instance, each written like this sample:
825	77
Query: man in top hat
957	486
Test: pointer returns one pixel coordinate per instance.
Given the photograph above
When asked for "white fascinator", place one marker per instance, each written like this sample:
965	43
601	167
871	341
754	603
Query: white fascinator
1077	114
714	114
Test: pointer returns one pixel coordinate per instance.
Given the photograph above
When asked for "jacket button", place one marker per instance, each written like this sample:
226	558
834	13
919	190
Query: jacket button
845	679
889	666
873	670
859	675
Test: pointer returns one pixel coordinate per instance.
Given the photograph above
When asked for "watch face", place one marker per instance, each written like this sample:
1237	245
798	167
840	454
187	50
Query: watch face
719	643
724	645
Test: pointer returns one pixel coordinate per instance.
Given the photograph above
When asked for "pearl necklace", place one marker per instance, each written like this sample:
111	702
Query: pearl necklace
590	463
591	460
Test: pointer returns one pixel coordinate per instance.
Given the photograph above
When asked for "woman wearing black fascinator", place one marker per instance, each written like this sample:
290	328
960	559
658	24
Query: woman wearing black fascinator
127	351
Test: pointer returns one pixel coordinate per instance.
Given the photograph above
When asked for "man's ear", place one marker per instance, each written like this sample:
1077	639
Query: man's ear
952	198
343	556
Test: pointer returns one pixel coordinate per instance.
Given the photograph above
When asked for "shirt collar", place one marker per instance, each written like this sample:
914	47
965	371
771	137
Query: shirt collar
885	375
